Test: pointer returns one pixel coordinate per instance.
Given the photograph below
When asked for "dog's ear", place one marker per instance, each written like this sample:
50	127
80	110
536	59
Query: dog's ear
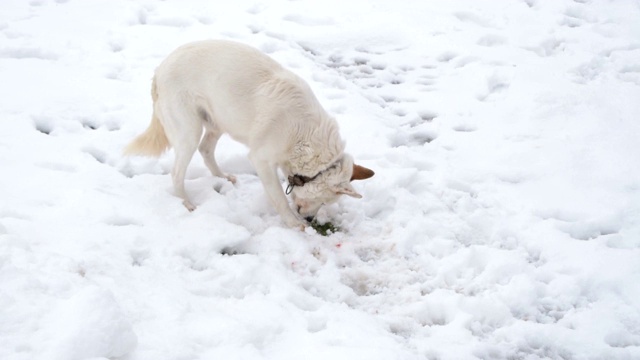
347	190
361	173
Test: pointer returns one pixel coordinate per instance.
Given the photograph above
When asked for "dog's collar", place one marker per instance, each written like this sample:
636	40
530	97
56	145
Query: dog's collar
300	180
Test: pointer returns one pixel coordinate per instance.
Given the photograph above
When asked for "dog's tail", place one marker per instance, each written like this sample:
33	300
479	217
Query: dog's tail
153	141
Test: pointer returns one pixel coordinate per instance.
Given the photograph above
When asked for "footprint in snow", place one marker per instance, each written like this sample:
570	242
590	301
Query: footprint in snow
497	83
415	137
120	221
99	155
630	73
464	128
491	40
589	230
426	80
43	124
11	214
447	56
427	116
27	53
307	20
473	18
548	47
139	256
577	15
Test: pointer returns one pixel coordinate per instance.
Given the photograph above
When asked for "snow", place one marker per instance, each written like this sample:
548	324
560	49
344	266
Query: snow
503	221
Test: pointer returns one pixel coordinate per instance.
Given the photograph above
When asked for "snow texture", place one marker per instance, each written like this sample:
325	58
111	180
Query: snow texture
503	221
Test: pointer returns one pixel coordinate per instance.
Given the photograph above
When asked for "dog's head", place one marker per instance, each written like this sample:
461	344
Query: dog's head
328	186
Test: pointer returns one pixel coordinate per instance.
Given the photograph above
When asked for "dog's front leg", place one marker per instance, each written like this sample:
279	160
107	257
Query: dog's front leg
269	176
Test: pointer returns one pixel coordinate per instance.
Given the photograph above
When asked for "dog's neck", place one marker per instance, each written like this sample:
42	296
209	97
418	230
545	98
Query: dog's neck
316	147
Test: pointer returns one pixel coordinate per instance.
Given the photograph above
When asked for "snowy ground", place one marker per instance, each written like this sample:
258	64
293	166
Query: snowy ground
503	221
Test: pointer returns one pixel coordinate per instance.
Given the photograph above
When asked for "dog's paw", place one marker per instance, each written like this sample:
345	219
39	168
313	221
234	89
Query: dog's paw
295	223
189	205
232	179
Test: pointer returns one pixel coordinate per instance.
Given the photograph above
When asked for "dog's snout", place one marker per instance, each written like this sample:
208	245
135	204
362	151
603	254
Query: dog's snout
306	209
308	218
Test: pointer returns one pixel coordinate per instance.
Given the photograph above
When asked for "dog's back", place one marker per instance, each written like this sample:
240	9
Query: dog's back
234	86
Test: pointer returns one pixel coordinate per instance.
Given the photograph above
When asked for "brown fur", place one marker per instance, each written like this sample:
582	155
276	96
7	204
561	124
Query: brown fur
361	173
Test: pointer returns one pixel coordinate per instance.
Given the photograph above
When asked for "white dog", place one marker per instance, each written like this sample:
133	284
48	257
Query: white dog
228	87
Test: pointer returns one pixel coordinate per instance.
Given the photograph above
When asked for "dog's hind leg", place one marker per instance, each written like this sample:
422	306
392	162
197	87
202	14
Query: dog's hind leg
184	153
207	150
184	133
